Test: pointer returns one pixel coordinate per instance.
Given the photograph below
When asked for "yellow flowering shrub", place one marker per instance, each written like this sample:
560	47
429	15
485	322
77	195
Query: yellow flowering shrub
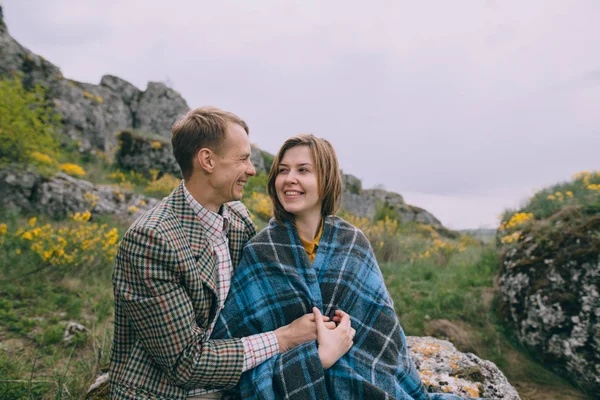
42	158
162	187
155	144
77	244
582	191
72	169
260	205
516	220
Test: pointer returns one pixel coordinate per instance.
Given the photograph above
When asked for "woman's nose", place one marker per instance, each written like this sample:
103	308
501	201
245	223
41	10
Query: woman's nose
291	177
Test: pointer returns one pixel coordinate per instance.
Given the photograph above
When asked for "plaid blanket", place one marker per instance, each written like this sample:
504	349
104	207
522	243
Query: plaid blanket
275	283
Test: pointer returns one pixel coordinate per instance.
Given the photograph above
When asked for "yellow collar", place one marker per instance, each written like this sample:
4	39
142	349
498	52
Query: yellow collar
311	247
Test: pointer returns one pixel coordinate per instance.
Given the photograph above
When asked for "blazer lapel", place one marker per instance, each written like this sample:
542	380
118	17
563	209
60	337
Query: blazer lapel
199	245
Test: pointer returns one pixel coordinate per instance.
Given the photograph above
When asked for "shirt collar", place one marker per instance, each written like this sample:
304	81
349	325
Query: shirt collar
311	247
214	224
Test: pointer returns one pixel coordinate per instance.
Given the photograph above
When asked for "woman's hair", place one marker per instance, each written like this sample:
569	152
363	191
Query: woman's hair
329	179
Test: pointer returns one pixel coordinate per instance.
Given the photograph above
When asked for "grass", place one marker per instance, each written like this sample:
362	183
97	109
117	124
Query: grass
35	309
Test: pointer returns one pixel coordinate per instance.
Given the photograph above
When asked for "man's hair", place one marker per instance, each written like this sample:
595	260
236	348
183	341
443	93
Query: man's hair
204	127
329	179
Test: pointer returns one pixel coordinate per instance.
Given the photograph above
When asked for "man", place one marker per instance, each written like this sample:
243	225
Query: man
173	269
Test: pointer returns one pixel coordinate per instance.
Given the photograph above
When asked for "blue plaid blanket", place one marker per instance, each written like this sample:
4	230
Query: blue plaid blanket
275	283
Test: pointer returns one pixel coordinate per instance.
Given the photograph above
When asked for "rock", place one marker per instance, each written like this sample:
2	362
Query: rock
257	160
91	114
16	59
158	108
365	203
61	195
143	152
129	93
100	389
72	329
351	184
443	369
550	291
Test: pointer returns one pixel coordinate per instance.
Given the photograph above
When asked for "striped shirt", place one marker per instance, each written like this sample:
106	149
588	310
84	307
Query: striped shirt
257	348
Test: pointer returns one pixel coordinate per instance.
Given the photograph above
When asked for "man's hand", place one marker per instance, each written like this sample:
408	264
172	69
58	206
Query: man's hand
300	331
333	343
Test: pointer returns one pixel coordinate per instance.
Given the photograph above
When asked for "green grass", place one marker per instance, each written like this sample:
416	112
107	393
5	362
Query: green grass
35	309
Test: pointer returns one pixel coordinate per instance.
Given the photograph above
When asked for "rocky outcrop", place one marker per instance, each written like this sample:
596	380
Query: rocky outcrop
142	153
550	289
158	108
61	195
92	114
443	369
15	59
365	203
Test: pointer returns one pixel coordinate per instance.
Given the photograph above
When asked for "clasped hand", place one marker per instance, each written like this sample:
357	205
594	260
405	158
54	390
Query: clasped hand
333	340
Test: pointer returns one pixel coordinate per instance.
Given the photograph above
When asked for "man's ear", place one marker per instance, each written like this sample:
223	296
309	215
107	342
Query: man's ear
206	160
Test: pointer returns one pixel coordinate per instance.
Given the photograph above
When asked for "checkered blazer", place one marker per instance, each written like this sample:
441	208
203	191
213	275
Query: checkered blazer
165	292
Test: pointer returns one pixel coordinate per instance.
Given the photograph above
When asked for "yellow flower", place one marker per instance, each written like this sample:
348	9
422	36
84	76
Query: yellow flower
569	193
133	209
27	235
3	229
18	251
32	221
42	158
156	144
72	169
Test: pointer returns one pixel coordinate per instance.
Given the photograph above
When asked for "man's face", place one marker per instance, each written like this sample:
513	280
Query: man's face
296	183
232	165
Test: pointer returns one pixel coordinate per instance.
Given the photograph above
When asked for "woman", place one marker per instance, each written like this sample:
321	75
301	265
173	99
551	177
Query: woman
307	257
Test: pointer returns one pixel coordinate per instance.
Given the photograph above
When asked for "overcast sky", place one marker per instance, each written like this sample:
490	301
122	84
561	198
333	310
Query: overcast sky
463	107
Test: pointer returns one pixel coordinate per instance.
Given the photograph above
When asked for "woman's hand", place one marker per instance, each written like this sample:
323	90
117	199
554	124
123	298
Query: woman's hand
333	343
300	331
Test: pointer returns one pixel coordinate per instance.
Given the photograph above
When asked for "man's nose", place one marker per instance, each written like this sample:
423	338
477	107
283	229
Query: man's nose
250	170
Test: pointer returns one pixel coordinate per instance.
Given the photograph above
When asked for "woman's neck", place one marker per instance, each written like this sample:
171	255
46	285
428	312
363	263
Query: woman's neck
308	226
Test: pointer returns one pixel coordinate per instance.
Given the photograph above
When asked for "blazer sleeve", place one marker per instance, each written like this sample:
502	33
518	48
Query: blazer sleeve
157	307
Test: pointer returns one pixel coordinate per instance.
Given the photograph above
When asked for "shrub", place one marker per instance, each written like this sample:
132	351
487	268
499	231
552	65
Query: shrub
27	123
257	184
161	187
75	246
72	169
260	205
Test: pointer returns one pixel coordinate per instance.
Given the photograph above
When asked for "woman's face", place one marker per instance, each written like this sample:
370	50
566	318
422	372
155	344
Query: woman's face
296	183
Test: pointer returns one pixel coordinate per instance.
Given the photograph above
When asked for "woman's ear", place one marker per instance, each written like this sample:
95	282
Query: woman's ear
206	160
